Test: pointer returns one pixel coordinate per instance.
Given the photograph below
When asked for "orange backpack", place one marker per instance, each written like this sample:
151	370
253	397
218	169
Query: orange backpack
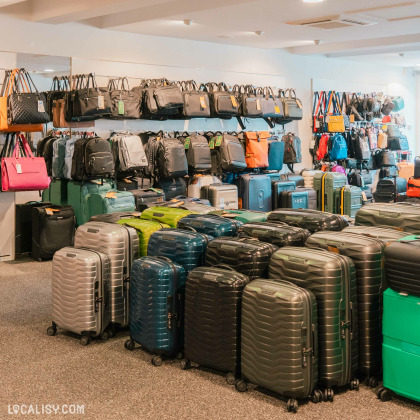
413	188
256	153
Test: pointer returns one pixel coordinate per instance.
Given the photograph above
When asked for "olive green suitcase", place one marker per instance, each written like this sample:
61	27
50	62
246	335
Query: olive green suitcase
167	215
324	185
347	200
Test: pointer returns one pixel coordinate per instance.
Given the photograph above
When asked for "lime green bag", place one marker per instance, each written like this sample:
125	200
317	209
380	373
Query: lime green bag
168	215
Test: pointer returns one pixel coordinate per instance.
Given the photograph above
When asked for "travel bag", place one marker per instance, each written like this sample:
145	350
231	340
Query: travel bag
221	196
196	100
275	154
110	202
347	200
386	235
115	217
255	192
223	103
256	149
292	150
171	160
277	188
198	153
198	181
209	224
125	102
301	198
172	187
59	153
383	158
413	188
166	215
80	303
325	184
243	216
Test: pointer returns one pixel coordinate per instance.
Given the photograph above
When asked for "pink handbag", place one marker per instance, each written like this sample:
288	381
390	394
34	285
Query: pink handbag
23	173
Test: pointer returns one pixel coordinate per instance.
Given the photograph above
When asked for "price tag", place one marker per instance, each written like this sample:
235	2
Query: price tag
203	102
187	143
101	102
364	196
218	140
41	107
333	249
50	211
234	103
111	194
121	107
258	105
277	110
18	168
211	143
352	118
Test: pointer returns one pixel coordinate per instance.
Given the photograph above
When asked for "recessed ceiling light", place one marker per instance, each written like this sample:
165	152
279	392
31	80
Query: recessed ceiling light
259	33
313	1
187	22
48	70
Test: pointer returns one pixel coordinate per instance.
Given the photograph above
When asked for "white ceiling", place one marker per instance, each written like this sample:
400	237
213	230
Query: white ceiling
235	22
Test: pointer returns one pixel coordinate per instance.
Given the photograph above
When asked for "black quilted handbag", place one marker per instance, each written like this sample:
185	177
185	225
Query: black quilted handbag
26	105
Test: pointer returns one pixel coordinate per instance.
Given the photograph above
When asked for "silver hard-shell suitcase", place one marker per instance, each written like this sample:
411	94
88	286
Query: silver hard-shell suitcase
80	293
121	244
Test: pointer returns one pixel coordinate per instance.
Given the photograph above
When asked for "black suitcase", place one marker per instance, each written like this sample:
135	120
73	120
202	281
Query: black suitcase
299	179
278	234
145	197
367	254
280	340
332	279
127	184
52	229
115	217
301	198
23	225
246	255
212	337
313	220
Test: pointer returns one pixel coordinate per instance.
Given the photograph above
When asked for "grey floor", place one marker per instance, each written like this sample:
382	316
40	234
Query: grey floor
113	383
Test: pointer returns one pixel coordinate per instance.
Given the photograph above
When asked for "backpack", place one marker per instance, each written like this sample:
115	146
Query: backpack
170	158
322	147
98	158
275	154
292	150
198	153
68	157
338	148
227	154
339	169
78	159
361	146
48	153
256	155
59	152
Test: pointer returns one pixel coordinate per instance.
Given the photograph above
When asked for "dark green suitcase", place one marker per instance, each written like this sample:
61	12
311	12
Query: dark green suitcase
324	185
347	200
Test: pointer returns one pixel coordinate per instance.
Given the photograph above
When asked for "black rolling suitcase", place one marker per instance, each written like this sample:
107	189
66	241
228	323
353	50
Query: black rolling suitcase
332	279
52	229
367	254
313	220
279	340
149	197
212	319
246	255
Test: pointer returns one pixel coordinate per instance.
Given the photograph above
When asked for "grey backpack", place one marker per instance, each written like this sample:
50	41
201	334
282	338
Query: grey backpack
68	157
198	153
128	151
59	151
171	160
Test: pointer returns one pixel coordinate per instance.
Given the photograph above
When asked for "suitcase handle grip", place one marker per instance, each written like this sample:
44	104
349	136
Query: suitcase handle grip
188	228
227	267
166	259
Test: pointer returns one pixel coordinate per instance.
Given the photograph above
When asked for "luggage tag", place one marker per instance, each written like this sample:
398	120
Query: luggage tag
18	168
234	103
50	211
121	107
332	248
202	103
187	143
111	194
218	140
127	181
211	143
41	107
258	105
277	109
101	102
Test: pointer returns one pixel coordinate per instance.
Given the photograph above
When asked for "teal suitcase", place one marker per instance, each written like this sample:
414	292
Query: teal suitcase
347	200
325	185
56	193
110	202
243	216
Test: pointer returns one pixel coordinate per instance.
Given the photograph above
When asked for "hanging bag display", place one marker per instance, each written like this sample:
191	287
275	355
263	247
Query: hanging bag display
292	106
223	103
125	103
335	120
196	100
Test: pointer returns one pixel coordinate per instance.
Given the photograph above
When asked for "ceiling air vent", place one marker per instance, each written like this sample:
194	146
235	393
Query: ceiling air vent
338	21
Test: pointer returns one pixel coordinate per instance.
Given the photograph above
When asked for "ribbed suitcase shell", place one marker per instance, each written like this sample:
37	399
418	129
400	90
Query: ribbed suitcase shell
243	216
278	234
308	177
110	202
209	224
167	215
212	330
115	217
277	188
80	291
121	245
255	192
299	180
184	247
386	235
325	184
367	255
312	220
279	330
332	279
347	200
156	292
221	196
301	198
404	217
246	255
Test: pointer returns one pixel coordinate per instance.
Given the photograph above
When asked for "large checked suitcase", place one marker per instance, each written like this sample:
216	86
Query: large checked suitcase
115	217
121	245
80	303
157	288
221	196
143	197
280	340
312	220
347	200
403	217
243	216
299	180
386	235
325	184
308	177
212	331
172	187
246	255
367	255
209	224
52	229
301	198
110	202
277	188
255	192
332	279
167	215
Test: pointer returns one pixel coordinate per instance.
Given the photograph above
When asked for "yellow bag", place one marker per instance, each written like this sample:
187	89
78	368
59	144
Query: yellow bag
335	123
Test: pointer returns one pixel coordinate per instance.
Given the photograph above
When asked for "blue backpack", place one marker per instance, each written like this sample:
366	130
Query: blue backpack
338	148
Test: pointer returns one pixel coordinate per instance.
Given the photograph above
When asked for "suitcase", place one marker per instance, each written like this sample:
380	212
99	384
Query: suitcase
325	184
144	229
308	177
402	265
417	167
347	200
273	175
80	304
403	217
209	224
301	198
127	184
56	193
313	220
196	205
184	247
386	235
144	197
279	345
278	234
156	307
172	187
110	202
367	255
121	245
221	196
167	215
277	188
243	216
367	195
23	225
52	229
332	279
245	255
299	180
255	192
212	338
199	181
115	217
401	340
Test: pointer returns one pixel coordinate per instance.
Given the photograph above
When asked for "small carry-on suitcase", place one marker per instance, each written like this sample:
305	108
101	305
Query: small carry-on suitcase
110	202
156	307
80	303
168	215
278	234
279	344
401	334
209	224
172	187
400	216
347	200
185	247
325	185
221	196
115	217
313	220
144	196
198	181
212	338
308	177
386	235
52	229
332	279
56	193
367	255
301	198
121	245
277	188
255	192
245	255
300	181
243	216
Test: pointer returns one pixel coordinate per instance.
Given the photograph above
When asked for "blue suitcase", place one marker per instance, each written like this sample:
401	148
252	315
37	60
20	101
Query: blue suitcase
301	198
277	188
275	154
255	192
183	247
157	288
209	224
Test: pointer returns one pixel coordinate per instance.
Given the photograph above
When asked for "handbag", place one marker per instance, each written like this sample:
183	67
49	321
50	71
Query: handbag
387	107
223	103
151	108
393	131
353	108
250	104
22	171
336	121
272	106
398	102
125	103
196	100
292	106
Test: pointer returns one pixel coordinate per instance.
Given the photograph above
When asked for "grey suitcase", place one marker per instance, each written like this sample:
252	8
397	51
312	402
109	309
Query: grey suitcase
80	303
279	340
221	196
121	244
386	235
332	279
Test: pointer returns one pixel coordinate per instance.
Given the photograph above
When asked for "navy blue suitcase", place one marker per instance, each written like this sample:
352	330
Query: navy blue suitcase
277	188
209	224
157	291
255	192
301	198
184	247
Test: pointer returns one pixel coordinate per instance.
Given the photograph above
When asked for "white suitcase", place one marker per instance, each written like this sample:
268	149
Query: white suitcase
221	196
198	181
308	176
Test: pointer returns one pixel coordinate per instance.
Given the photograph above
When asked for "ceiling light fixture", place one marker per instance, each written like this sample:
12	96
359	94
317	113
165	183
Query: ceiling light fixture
259	33
187	22
48	70
313	1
